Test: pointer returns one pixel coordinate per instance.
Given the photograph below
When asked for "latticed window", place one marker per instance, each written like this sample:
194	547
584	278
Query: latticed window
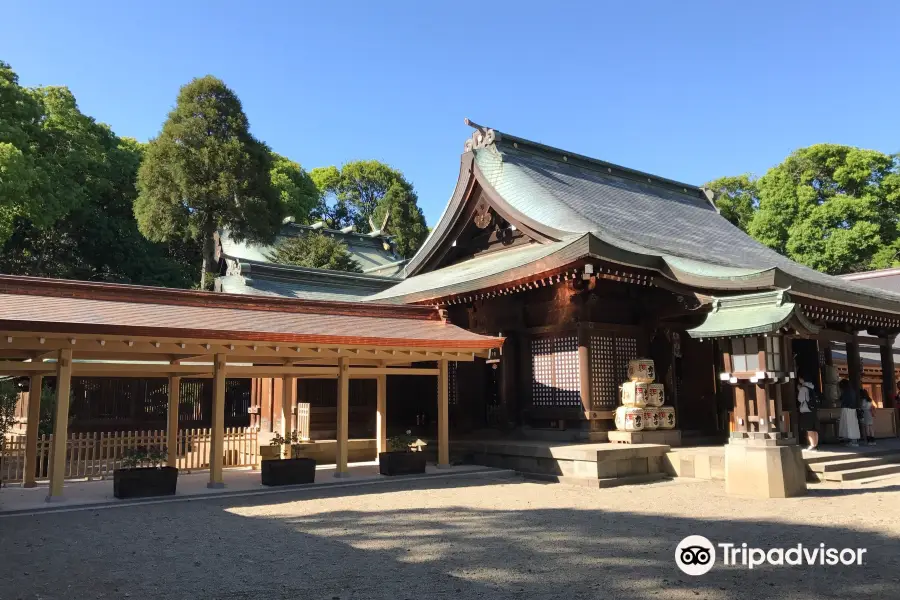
555	374
773	354
609	356
745	354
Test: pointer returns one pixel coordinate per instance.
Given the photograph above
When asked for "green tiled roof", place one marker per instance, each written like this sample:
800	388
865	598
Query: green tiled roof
751	314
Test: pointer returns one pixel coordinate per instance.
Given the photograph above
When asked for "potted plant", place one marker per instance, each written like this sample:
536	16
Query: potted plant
404	456
286	471
143	474
276	448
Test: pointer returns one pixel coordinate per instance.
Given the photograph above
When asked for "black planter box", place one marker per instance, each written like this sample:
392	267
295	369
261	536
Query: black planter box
288	471
401	463
142	482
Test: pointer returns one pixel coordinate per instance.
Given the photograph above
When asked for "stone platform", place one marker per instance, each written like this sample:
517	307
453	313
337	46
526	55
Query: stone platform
669	437
593	465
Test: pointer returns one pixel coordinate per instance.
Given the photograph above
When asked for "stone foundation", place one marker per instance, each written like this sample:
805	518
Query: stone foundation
669	437
764	466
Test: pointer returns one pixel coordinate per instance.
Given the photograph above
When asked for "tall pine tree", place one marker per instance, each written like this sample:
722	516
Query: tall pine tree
205	172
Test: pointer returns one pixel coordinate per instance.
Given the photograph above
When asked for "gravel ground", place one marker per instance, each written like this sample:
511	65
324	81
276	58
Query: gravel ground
450	538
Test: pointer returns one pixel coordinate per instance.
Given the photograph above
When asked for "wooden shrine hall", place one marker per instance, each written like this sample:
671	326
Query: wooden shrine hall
582	265
61	329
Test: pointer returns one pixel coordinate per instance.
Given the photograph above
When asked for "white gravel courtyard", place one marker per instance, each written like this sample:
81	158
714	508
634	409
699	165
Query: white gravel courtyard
464	537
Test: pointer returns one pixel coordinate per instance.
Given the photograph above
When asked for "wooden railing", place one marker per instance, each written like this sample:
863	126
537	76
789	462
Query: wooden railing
96	455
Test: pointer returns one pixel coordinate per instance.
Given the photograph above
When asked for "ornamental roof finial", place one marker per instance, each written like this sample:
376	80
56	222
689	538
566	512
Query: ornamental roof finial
482	137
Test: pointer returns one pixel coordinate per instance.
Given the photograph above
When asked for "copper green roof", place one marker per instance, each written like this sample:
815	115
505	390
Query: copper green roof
752	314
632	218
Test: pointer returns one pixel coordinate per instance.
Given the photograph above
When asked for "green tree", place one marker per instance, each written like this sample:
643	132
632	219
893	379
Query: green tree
295	188
736	198
350	195
315	250
206	172
405	221
67	185
9	397
45	161
831	207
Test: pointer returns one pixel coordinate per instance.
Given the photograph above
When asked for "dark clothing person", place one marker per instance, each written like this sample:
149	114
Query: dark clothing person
849	399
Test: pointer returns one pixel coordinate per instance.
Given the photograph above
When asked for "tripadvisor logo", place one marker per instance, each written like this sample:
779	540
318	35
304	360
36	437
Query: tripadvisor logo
696	555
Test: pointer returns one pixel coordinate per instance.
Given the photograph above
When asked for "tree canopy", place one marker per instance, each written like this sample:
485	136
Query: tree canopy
360	193
66	194
315	250
405	221
736	198
206	172
834	208
295	188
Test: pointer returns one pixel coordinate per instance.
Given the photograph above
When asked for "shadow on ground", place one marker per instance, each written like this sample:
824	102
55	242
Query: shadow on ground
228	549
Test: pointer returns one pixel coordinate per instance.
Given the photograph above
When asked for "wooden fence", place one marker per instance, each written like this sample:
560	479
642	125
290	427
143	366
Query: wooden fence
96	455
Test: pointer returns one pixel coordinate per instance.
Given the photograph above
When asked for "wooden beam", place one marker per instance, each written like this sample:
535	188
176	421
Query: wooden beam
172	421
217	442
443	414
888	385
381	413
60	425
31	430
172	348
363	372
343	418
853	366
13	367
288	402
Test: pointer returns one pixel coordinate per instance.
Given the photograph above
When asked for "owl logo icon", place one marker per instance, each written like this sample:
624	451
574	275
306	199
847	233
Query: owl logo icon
695	555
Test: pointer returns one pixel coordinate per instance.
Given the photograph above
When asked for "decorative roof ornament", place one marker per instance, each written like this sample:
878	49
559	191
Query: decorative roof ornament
481	138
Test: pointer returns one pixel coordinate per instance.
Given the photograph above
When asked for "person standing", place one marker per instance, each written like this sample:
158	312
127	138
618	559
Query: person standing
809	418
867	408
848	428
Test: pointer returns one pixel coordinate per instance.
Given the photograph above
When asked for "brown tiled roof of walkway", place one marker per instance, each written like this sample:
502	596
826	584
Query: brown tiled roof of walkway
37	304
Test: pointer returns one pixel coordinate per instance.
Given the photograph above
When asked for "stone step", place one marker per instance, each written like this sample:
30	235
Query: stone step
862	473
811	458
606	482
853	463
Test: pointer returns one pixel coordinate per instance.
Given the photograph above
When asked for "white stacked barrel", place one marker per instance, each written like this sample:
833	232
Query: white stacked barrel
643	402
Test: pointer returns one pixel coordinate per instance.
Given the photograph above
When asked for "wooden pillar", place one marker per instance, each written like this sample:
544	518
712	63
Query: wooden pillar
60	424
888	385
853	370
443	414
762	407
31	431
343	418
288	404
217	443
740	409
172	426
381	414
584	370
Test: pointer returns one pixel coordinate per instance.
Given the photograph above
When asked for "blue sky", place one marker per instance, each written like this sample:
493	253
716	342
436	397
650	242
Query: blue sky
686	90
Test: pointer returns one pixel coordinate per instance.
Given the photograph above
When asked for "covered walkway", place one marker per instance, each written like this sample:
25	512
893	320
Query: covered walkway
63	328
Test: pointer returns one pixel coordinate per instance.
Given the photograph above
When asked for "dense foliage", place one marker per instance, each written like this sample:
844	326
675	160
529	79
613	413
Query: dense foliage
834	208
206	172
9	397
403	219
66	195
296	190
79	202
315	250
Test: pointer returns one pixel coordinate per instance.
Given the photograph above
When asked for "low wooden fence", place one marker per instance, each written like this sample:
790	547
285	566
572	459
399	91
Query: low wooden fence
96	455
